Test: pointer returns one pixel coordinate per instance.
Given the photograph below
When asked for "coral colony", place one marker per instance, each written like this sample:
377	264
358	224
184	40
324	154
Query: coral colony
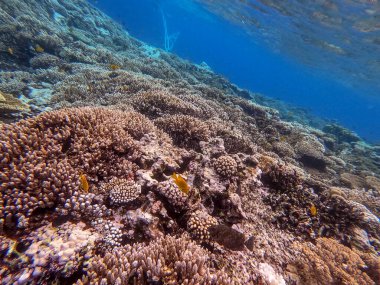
124	164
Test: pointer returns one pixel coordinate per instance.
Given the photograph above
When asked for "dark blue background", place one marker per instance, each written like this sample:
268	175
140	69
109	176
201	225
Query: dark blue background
229	51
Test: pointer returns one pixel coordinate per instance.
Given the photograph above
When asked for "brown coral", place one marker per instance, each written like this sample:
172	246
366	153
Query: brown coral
176	198
199	224
167	260
329	262
281	177
155	103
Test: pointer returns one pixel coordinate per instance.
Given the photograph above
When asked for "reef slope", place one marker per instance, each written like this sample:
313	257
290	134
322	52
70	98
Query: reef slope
101	121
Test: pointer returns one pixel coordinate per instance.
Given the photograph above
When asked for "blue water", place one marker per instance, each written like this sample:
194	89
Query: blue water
263	58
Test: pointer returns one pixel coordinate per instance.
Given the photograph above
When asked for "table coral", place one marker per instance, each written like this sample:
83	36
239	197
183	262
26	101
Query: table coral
9	104
186	131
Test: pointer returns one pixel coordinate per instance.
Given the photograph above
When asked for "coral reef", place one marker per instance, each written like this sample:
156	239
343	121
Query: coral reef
124	164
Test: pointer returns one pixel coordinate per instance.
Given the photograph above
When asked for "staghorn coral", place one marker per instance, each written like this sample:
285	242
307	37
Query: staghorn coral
235	140
137	125
281	177
301	209
341	134
283	149
45	61
15	82
167	260
225	166
328	262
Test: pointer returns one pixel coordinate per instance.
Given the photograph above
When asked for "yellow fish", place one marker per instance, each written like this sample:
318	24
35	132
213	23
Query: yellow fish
181	183
84	183
313	210
38	48
10	51
114	67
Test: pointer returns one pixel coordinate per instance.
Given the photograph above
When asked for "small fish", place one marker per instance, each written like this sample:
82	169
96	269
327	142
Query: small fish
282	138
84	183
313	210
39	48
181	183
10	51
114	66
230	238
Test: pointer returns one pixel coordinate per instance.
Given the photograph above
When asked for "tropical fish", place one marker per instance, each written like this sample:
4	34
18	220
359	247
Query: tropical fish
230	238
38	48
313	210
181	183
84	183
114	66
10	51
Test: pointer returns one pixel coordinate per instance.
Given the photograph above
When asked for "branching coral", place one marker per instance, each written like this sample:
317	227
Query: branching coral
235	186
167	260
42	158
